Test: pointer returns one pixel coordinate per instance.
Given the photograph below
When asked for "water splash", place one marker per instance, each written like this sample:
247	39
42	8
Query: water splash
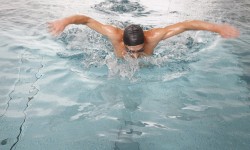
173	56
125	68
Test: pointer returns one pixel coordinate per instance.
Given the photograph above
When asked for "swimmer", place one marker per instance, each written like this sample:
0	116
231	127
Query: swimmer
133	40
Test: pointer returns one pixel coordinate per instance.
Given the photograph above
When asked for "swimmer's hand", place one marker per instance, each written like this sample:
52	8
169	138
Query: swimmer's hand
227	31
57	27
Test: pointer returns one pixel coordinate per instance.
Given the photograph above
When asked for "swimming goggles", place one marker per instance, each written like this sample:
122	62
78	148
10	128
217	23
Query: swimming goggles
137	51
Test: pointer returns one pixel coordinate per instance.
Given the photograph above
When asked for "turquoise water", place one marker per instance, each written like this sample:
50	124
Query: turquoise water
71	92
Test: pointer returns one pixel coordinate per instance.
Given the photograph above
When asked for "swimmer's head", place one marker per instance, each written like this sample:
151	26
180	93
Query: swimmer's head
133	35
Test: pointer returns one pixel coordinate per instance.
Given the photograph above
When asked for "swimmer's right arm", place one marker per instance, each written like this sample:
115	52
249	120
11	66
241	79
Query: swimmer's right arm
57	26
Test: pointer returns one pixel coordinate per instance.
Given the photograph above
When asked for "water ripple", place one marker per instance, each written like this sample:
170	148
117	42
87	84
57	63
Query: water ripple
116	7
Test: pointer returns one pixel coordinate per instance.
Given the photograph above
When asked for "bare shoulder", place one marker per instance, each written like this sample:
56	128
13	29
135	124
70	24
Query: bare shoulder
105	29
154	35
152	38
113	32
113	29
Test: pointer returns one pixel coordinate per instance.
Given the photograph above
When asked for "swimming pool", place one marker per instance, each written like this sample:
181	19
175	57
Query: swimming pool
70	92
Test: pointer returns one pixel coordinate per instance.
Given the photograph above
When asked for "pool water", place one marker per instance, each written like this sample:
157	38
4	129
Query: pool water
71	92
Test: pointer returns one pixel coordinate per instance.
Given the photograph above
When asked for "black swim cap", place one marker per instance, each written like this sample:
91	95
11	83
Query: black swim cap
133	35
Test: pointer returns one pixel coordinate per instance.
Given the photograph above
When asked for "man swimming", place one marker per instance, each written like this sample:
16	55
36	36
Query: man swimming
133	40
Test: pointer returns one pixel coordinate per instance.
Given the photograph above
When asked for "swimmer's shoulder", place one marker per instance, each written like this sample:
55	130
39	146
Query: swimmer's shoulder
154	35
113	32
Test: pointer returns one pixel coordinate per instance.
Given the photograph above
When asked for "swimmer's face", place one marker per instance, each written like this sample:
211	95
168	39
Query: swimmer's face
135	51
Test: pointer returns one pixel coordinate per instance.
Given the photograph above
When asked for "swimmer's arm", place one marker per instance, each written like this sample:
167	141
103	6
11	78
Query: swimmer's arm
56	27
226	31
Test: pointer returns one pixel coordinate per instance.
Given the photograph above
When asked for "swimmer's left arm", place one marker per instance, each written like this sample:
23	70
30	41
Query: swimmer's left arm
225	30
56	27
